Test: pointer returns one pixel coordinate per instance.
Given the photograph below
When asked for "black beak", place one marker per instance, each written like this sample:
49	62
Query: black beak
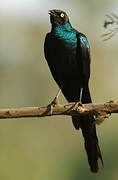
52	13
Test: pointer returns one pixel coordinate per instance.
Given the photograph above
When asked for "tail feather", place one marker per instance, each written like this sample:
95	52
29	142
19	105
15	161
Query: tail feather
75	122
87	124
90	141
92	148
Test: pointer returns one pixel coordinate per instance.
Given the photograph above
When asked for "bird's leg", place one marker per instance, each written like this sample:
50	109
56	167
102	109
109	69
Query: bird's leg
80	98
78	104
54	102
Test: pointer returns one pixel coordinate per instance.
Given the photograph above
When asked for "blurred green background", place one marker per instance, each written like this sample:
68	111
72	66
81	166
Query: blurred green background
50	148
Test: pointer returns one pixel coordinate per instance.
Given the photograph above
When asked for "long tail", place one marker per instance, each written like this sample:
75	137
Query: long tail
87	124
91	141
92	148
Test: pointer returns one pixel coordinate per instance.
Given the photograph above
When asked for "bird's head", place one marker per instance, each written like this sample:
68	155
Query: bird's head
58	17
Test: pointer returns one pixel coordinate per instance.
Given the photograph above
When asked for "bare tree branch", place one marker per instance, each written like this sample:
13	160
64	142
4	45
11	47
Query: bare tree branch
111	25
99	110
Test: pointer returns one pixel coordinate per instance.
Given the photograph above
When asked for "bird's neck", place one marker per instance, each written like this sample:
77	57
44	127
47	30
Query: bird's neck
57	29
65	32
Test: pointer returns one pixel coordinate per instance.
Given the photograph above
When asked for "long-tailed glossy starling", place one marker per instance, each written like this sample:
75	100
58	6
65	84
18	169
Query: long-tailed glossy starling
67	52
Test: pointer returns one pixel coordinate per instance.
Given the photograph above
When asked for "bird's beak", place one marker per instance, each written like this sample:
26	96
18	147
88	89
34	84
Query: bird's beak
52	12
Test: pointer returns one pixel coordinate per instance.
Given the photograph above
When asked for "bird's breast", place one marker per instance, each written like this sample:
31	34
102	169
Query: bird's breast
64	56
68	38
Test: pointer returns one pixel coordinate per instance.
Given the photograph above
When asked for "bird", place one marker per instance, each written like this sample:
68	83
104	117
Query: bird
67	52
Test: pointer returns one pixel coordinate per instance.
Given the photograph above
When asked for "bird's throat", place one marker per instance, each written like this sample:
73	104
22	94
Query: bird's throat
66	33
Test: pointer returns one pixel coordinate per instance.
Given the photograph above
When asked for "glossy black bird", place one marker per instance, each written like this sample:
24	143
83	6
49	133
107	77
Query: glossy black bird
67	53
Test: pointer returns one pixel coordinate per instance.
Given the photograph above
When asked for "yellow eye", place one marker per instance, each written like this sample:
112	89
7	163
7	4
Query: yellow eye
62	15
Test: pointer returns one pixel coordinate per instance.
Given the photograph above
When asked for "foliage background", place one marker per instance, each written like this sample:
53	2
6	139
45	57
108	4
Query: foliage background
50	148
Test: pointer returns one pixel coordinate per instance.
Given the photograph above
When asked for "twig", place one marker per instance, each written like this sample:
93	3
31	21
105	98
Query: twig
111	24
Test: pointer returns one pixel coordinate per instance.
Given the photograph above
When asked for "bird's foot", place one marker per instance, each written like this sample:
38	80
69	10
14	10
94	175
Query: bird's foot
54	102
52	105
77	106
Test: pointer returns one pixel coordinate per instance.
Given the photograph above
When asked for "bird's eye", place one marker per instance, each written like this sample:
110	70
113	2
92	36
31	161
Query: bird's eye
62	15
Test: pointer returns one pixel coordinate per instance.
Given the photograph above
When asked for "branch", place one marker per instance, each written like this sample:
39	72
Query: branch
111	24
99	110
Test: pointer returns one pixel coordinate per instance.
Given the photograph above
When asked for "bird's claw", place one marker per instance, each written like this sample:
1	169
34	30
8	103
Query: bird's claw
80	104
77	105
52	104
55	101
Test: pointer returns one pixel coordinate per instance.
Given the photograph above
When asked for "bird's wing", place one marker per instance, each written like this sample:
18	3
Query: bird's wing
83	51
48	51
47	47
